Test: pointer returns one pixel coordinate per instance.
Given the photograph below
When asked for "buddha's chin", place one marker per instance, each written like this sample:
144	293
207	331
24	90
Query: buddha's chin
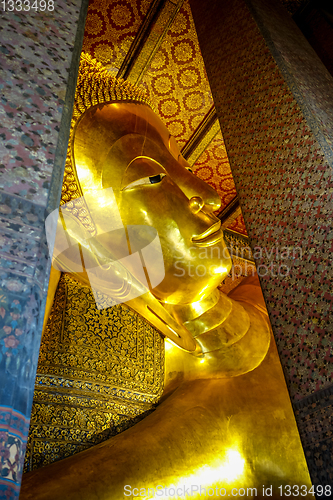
187	294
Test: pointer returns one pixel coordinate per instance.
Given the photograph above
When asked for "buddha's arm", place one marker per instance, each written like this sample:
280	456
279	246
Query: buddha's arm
225	433
194	433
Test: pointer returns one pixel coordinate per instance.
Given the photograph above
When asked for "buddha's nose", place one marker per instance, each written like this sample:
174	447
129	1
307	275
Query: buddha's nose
196	204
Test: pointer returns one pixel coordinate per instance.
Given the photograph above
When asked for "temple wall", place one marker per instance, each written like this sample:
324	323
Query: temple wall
316	23
274	100
39	58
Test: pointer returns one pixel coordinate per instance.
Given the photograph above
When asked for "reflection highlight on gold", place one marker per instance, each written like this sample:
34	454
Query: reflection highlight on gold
227	469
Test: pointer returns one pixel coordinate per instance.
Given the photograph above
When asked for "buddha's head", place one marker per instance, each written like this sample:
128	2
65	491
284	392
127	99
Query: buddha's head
124	145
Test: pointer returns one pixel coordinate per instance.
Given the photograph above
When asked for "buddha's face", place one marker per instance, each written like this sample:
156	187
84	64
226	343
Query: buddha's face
126	146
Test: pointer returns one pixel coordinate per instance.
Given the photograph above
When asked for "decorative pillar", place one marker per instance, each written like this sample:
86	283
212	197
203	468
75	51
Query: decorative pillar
39	41
274	100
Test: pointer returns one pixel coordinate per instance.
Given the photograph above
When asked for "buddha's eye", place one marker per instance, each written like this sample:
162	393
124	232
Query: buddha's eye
156	178
190	170
146	181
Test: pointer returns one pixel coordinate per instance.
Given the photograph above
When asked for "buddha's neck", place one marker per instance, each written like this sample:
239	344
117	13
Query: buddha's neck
215	321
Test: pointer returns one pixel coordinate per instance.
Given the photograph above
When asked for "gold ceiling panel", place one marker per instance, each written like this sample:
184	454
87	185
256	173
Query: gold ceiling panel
193	152
111	27
155	33
213	167
177	81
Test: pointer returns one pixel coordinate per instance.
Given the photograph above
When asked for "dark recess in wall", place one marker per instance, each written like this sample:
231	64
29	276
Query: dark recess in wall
315	19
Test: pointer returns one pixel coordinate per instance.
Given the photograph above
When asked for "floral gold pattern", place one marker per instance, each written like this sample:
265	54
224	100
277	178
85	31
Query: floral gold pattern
99	372
111	27
177	73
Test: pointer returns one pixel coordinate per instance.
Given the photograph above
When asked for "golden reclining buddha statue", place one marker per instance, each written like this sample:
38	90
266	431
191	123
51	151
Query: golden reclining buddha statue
138	258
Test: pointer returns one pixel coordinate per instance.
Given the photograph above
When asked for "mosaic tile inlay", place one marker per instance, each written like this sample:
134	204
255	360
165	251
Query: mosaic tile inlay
35	57
280	157
285	188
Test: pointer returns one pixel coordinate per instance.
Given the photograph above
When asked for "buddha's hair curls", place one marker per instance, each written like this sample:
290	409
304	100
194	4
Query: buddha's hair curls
95	85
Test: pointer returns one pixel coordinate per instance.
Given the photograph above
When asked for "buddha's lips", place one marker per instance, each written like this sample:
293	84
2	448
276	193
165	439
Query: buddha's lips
209	237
